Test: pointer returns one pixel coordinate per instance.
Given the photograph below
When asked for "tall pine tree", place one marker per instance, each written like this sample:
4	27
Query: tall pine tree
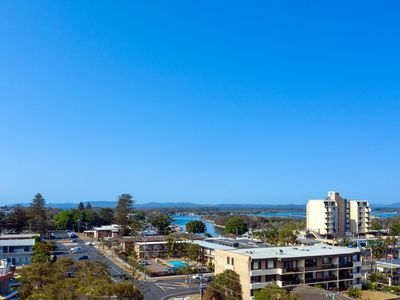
38	214
122	211
88	205
81	206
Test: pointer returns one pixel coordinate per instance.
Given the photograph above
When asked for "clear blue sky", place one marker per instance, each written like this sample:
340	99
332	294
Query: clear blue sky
208	102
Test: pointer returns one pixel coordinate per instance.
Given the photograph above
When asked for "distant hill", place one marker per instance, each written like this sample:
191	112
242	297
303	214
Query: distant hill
151	205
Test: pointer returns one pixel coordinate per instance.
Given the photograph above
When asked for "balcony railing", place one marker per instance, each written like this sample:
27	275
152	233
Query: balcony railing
291	282
321	267
321	279
328	266
346	276
292	270
346	265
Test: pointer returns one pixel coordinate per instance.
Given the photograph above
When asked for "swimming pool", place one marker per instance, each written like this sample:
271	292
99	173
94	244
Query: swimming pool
176	264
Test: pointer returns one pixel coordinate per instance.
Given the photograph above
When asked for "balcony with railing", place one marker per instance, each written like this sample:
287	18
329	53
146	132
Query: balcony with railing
346	265
321	279
293	270
294	281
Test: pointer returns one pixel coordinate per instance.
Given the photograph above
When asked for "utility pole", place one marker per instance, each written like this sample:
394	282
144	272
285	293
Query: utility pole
144	253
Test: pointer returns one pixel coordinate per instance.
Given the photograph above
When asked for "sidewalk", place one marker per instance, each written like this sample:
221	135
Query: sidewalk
115	259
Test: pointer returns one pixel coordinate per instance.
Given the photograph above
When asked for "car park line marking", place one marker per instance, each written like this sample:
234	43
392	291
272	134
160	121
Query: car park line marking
170	286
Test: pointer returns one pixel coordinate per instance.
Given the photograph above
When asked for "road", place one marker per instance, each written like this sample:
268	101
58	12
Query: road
152	290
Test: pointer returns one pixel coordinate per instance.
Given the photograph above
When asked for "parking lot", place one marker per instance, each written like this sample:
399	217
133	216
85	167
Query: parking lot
152	289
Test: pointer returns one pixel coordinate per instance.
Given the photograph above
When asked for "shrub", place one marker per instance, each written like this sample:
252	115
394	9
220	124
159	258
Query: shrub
354	293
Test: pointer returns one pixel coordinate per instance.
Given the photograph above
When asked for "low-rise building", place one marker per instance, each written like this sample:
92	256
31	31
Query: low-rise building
329	266
237	243
208	250
103	231
18	252
6	274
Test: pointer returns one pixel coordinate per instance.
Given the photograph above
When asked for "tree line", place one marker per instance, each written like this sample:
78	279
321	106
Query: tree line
38	218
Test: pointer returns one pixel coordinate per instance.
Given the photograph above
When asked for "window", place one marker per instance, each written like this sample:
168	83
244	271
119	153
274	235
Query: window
232	261
256	265
227	260
271	264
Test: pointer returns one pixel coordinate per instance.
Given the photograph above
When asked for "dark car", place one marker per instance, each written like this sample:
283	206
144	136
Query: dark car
83	257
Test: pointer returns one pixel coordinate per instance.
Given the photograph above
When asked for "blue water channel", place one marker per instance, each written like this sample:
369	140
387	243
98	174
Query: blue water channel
181	220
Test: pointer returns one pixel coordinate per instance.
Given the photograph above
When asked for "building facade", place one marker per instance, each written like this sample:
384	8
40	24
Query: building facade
329	266
17	252
337	216
6	274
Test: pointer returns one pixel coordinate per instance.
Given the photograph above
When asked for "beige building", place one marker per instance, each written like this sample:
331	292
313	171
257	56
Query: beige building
329	266
338	216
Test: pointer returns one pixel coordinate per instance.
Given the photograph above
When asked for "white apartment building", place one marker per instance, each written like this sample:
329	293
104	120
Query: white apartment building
329	266
338	216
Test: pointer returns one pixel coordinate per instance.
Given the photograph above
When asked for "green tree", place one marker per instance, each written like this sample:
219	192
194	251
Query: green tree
38	214
161	222
270	237
171	245
376	225
273	292
106	215
41	252
64	219
88	206
122	211
136	267
225	286
395	229
235	225
195	227
69	279
17	220
81	206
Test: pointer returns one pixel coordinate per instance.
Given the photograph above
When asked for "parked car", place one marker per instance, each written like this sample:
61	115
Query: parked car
196	276
169	269
76	250
144	262
73	240
88	243
83	257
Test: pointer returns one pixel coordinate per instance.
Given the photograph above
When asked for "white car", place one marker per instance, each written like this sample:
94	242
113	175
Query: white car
76	250
196	276
88	243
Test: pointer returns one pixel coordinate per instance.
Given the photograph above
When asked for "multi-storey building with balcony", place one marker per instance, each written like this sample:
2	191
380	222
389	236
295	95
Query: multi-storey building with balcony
329	266
337	216
17	252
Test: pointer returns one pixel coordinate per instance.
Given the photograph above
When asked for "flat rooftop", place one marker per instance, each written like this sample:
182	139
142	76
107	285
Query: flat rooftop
209	245
392	263
17	242
294	251
18	236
